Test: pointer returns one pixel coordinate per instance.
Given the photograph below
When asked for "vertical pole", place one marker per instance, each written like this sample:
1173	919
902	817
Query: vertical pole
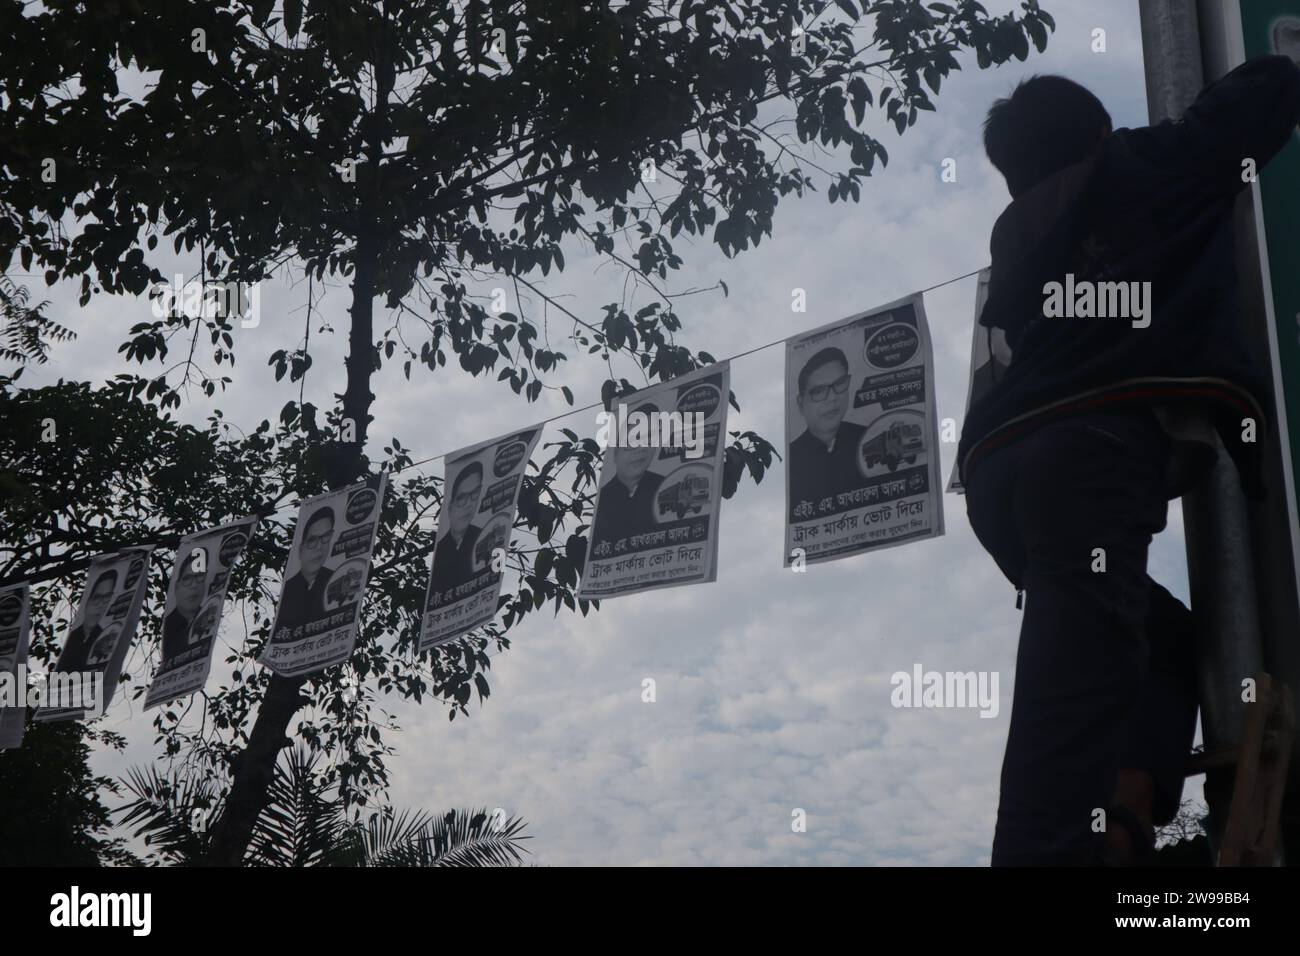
1225	27
1171	56
1220	567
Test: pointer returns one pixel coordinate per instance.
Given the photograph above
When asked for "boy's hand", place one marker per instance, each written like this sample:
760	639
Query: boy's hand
1286	41
1286	38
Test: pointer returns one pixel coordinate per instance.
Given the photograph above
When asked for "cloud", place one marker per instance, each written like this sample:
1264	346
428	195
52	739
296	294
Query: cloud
773	688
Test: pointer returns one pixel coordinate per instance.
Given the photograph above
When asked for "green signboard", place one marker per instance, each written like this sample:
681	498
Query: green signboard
1273	26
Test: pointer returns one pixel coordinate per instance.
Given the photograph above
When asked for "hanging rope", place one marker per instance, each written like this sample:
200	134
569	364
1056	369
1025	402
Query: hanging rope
173	540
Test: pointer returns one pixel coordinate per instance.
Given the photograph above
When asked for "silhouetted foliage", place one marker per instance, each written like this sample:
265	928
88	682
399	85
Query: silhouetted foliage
305	824
1183	840
427	153
51	813
26	333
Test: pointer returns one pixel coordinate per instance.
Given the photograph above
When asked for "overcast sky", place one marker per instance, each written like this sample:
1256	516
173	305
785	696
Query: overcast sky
773	688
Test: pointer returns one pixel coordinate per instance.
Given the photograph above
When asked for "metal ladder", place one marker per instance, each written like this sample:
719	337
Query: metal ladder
1261	758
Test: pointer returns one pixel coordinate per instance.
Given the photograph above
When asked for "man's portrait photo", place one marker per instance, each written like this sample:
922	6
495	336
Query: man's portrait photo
627	501
453	558
823	459
187	598
303	597
84	636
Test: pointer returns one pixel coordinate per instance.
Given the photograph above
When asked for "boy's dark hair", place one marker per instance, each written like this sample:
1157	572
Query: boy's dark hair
1046	124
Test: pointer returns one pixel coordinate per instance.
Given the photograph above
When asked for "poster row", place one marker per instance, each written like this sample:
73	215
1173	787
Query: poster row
861	439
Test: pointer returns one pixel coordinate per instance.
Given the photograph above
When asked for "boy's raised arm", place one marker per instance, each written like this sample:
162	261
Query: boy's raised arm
1247	114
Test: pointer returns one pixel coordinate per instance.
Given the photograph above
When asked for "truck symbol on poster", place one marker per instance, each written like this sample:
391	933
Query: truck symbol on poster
690	494
900	442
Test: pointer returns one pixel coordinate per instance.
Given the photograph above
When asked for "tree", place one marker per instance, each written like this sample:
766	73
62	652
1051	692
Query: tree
305	824
123	472
25	330
51	813
1183	840
425	150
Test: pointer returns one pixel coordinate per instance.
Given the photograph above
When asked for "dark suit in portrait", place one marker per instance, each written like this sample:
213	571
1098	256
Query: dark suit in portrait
453	563
301	602
818	470
176	634
78	648
622	513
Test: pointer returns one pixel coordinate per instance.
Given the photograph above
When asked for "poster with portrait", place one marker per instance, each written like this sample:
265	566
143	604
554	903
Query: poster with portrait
480	499
15	625
196	596
656	518
862	437
84	680
325	579
989	357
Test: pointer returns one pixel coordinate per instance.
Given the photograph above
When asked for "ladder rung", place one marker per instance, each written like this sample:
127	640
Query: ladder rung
1211	760
1222	757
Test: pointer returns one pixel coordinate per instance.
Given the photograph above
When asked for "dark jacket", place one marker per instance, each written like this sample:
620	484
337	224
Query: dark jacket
300	602
77	650
176	634
453	565
1151	204
818	472
620	515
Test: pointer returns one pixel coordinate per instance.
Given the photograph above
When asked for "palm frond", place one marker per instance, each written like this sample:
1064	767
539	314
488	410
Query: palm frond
303	823
474	838
169	813
396	839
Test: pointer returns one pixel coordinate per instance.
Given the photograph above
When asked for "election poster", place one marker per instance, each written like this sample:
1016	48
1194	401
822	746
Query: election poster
196	596
82	683
480	499
656	517
325	580
15	623
862	439
989	357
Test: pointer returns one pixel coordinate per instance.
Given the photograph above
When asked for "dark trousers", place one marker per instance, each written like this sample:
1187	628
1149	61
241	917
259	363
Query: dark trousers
1105	676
